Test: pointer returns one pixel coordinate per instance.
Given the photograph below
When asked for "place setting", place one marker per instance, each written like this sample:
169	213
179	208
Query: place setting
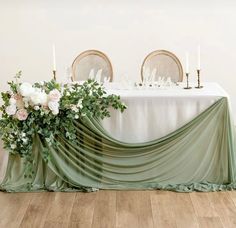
160	70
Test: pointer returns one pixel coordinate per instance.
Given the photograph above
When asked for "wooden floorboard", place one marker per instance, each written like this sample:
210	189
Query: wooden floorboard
118	209
105	210
225	208
39	205
60	210
83	209
184	213
134	207
121	209
13	208
162	209
210	222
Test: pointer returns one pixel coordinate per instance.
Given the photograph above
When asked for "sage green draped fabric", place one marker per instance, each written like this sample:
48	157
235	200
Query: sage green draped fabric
199	156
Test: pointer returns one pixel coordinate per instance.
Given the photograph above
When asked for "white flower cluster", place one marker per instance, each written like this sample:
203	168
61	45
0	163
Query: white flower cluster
76	108
21	137
30	96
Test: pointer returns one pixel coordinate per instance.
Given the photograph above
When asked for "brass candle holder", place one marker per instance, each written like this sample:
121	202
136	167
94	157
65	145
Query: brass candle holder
54	75
187	87
198	80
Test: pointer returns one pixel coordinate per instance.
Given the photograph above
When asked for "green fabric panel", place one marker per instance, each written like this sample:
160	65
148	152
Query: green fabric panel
200	156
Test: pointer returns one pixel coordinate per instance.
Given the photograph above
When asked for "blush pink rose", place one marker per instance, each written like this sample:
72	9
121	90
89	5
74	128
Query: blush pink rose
54	95
22	114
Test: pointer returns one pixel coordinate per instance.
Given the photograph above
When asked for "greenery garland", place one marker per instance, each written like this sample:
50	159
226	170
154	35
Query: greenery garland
49	109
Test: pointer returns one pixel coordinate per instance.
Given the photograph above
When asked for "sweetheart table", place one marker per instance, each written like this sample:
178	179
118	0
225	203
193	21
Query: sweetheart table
170	139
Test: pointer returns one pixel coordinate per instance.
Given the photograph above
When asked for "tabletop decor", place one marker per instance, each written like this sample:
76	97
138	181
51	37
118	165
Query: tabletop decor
49	109
149	84
187	81
54	75
199	86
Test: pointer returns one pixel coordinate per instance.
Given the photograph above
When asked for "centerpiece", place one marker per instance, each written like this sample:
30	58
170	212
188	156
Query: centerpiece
49	109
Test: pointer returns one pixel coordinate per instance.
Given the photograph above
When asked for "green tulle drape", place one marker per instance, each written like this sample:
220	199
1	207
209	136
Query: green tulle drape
199	156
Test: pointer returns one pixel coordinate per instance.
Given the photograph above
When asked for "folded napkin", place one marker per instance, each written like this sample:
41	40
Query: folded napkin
91	74
99	76
146	74
153	75
168	82
106	80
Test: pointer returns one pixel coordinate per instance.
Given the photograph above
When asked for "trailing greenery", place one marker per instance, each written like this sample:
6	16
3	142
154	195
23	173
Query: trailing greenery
49	109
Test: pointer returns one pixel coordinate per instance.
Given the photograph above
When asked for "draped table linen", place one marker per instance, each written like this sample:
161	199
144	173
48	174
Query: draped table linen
194	152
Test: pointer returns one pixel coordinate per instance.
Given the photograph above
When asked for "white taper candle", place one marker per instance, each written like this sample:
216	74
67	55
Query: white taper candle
199	58
187	63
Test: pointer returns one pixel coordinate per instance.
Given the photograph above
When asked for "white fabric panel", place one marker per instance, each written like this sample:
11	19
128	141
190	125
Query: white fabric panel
152	114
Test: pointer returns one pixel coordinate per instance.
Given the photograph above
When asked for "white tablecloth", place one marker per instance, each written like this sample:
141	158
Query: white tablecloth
152	114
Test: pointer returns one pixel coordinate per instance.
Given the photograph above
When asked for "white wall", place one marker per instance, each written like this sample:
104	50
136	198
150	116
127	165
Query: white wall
125	30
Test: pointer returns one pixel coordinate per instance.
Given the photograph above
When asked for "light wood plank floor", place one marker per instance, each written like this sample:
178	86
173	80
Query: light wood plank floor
121	209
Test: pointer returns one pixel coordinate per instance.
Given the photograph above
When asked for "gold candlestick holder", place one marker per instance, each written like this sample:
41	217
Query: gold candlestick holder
54	75
198	80
187	87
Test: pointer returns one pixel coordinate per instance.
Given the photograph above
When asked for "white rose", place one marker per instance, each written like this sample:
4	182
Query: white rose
54	95
12	101
54	107
11	110
26	89
36	107
38	98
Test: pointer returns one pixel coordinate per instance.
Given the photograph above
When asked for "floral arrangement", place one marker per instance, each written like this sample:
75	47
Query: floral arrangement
49	109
